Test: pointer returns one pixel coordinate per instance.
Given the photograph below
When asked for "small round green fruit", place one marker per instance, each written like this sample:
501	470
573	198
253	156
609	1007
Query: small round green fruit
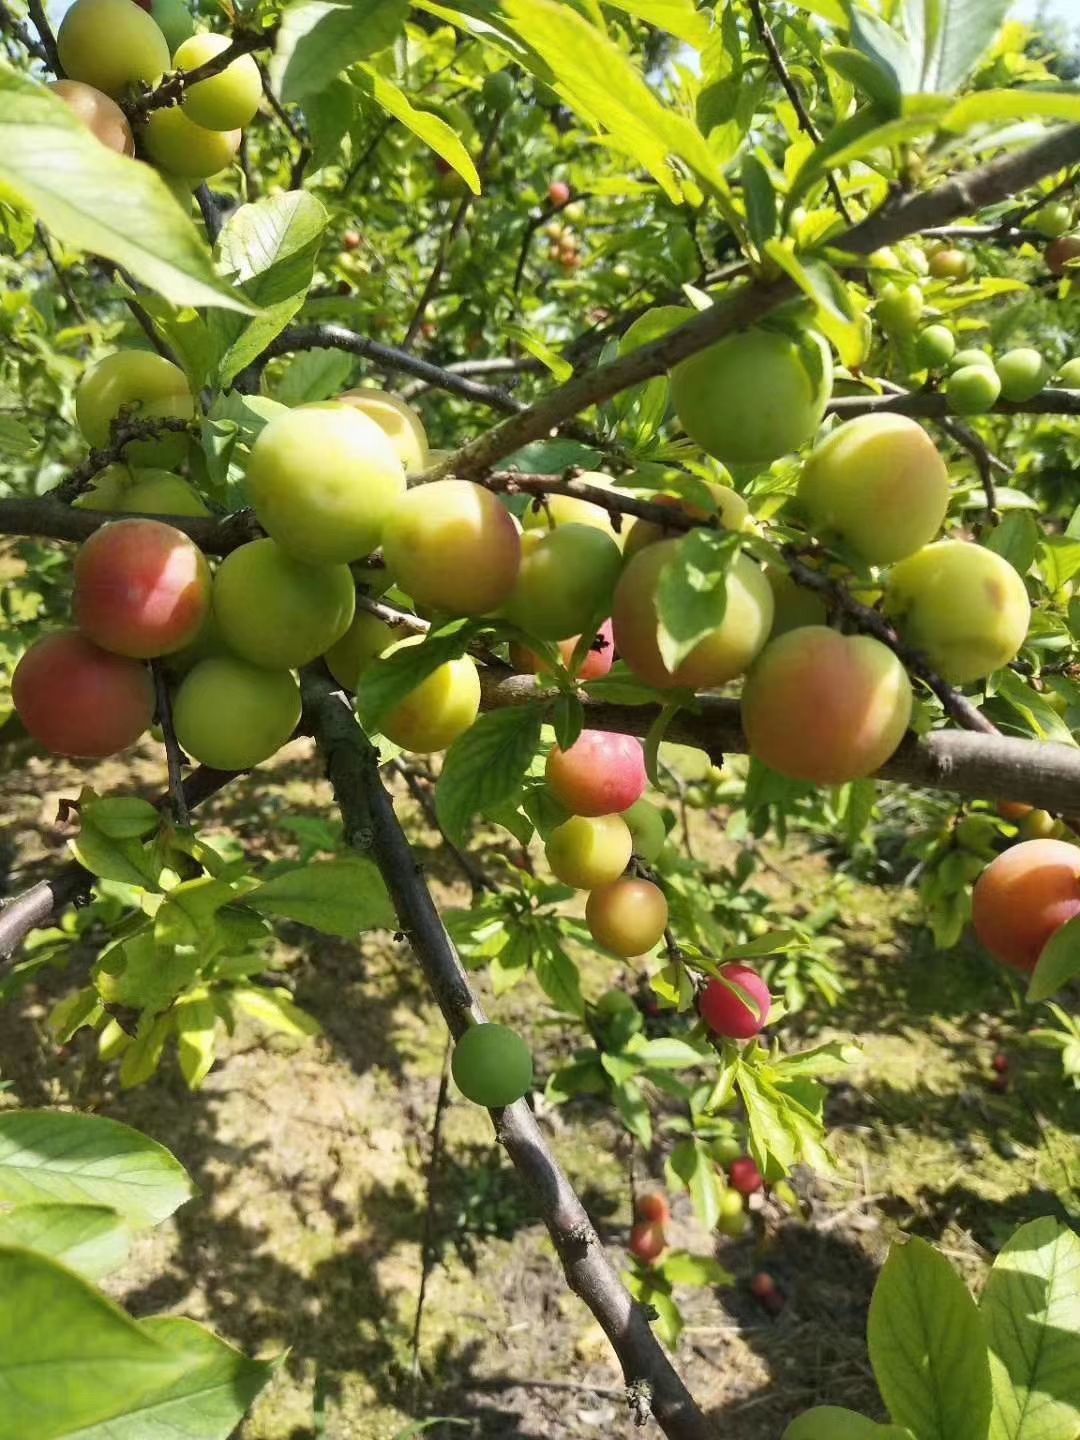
1023	373
972	390
492	1065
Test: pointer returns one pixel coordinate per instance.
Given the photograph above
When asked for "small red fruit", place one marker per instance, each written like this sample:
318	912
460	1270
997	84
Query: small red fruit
653	1207
647	1242
739	1013
76	699
1000	1063
744	1176
351	240
762	1285
602	773
559	193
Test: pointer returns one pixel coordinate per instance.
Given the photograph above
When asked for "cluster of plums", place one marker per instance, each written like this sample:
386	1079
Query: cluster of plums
109	49
652	1213
976	380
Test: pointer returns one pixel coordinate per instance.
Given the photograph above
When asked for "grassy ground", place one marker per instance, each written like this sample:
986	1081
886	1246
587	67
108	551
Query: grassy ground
312	1164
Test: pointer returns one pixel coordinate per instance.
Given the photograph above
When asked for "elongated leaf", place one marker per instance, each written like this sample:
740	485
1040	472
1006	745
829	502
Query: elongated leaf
830	1422
100	202
994	106
558	976
1031	1306
680	18
692	592
339	897
49	1155
928	1346
91	1239
1059	962
390	678
430	128
949	37
276	1010
319	39
486	766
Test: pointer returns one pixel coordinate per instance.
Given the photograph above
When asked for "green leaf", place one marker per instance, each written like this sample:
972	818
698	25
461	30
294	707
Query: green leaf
128	861
759	197
196	1030
691	1166
558	975
122	817
1016	540
314	375
432	129
485	767
680	18
91	1239
390	678
633	1110
691	596
1031	1307
567	720
49	1155
100	202
1040	716
682	1268
668	1052
16	440
275	1010
948	39
1059	962
319	39
143	1056
1024	103
928	1346
831	1422
339	897
140	974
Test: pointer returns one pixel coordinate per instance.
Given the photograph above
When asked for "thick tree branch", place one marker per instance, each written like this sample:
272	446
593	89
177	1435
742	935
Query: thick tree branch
933	405
372	827
47	518
122	436
751	303
174	757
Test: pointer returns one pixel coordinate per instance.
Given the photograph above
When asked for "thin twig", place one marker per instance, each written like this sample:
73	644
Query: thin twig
61	278
208	209
174	757
427	1242
303	156
420	792
45	34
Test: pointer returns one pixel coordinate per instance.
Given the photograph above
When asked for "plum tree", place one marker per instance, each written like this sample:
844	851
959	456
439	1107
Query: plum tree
100	114
159	492
736	1006
647	1241
366	638
453	547
627	917
653	1206
112	45
1061	253
602	773
899	308
492	1065
1023	897
950	264
1023	373
825	707
224	102
595	664
754	396
78	700
745	1177
141	588
185	149
877	484
324	482
232	715
399	421
143	386
277	611
442	707
964	606
565	582
648	832
793	604
587	851
935	346
723	653
731	508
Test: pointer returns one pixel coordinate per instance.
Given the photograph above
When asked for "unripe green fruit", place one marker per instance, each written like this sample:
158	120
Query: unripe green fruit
324	482
174	20
231	715
733	1219
1051	220
224	102
1023	373
935	346
793	605
647	830
586	852
1069	375
278	612
755	395
951	264
566	581
972	390
441	708
498	89
724	1150
145	387
964	358
963	606
108	490
899	309
573	510
366	638
112	45
398	420
183	148
159	492
492	1066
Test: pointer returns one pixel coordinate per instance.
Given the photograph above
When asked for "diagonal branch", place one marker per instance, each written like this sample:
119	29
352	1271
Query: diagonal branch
48	518
171	90
45	33
372	827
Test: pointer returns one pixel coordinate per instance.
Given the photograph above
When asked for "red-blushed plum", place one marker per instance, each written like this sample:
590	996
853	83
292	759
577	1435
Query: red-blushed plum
825	707
594	666
877	484
627	917
101	115
793	605
226	101
277	611
964	606
76	699
653	1206
603	773
647	829
453	547
185	149
112	45
232	715
950	264
724	653
1062	253
141	588
323	483
755	395
398	421
441	708
492	1065
366	638
731	509
565	582
144	386
1023	897
739	1009
587	851
559	193
744	1176
647	1242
